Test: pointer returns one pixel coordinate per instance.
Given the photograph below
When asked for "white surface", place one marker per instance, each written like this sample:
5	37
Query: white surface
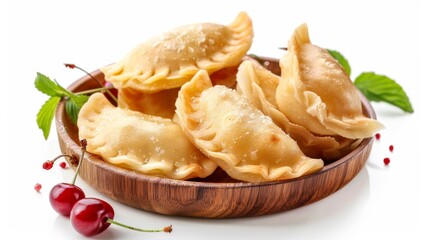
382	36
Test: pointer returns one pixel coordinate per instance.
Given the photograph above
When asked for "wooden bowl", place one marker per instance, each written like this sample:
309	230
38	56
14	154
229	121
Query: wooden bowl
217	196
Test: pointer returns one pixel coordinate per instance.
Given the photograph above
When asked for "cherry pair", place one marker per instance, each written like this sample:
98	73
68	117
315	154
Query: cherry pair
89	216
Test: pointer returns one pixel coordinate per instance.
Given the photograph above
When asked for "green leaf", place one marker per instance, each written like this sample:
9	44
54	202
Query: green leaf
51	88
73	105
341	60
46	114
381	88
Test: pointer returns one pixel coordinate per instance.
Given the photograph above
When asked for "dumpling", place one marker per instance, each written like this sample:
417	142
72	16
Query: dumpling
159	104
142	143
259	85
173	58
243	141
252	76
323	97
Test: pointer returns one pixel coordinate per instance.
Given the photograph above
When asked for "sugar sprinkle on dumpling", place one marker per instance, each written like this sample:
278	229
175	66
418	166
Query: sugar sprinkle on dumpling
259	85
171	59
241	139
323	98
140	142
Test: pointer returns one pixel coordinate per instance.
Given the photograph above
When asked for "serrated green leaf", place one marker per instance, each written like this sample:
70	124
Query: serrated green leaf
63	91
46	114
341	60
51	88
380	88
73	105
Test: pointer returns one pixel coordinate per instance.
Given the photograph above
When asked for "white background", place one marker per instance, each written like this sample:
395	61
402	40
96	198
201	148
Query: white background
387	37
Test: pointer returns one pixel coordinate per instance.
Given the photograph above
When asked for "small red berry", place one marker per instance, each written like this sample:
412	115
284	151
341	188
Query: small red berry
391	148
48	165
63	165
386	161
377	136
37	187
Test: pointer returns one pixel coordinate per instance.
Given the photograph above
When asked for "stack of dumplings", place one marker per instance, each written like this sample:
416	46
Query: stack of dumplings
191	102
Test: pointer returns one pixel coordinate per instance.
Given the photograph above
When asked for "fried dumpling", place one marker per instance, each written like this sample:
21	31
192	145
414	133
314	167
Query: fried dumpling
171	59
324	98
243	141
139	142
259	85
251	76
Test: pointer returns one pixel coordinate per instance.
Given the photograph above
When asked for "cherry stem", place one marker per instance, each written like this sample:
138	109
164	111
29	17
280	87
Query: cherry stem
83	147
62	155
166	229
95	79
94	90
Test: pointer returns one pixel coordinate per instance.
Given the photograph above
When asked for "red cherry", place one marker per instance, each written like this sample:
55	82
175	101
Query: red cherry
63	196
391	148
89	216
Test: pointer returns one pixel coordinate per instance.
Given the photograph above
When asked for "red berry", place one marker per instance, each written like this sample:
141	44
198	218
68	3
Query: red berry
63	165
89	216
386	161
391	148
377	136
37	187
48	165
63	196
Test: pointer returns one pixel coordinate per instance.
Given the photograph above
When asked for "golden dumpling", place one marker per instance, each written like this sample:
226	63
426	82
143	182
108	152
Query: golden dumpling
316	93
243	141
140	142
171	59
259	85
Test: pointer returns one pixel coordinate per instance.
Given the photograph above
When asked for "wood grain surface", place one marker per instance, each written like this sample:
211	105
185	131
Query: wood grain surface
217	196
